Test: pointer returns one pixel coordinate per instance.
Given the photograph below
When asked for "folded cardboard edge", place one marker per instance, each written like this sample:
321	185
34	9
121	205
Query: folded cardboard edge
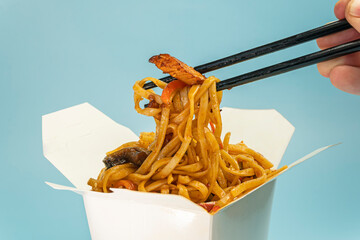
181	202
70	136
165	201
310	155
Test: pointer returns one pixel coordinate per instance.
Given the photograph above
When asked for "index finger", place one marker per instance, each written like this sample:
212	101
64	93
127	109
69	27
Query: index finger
340	8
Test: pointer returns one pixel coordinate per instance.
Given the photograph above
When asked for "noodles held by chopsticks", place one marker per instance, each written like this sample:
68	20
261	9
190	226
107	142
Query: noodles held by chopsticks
187	155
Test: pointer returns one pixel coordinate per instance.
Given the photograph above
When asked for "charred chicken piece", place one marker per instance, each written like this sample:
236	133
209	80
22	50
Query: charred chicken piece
177	69
152	103
134	155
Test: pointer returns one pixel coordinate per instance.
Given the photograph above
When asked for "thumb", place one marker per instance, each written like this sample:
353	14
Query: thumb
352	14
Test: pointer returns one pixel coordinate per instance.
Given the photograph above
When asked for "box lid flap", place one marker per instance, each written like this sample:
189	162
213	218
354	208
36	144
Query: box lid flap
76	139
265	131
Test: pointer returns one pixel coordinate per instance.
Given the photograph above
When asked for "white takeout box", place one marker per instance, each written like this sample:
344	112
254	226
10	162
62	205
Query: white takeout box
76	139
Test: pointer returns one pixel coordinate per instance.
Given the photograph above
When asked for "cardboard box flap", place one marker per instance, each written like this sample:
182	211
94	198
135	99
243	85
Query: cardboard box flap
310	155
76	139
265	131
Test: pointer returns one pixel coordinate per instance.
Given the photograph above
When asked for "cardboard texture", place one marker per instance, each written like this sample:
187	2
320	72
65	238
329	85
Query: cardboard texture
76	139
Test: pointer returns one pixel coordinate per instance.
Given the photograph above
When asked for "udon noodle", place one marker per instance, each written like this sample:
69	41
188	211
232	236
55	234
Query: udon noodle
186	155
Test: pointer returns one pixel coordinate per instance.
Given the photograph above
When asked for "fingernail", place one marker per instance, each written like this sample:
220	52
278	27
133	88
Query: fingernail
355	8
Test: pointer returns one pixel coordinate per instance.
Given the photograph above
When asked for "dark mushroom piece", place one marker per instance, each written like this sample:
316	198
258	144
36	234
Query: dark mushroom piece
167	139
134	155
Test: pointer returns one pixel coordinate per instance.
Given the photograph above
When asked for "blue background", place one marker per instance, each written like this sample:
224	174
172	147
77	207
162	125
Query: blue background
56	54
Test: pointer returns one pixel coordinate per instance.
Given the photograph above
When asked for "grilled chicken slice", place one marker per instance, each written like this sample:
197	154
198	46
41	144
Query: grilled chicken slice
177	69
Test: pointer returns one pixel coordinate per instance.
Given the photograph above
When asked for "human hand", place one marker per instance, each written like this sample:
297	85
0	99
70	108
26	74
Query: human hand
344	72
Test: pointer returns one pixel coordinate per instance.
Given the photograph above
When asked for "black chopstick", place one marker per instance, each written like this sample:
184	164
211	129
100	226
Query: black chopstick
290	65
294	40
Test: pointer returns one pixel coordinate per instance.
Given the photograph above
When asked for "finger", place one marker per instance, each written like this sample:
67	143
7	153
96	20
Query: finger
338	38
352	14
325	68
346	78
340	7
